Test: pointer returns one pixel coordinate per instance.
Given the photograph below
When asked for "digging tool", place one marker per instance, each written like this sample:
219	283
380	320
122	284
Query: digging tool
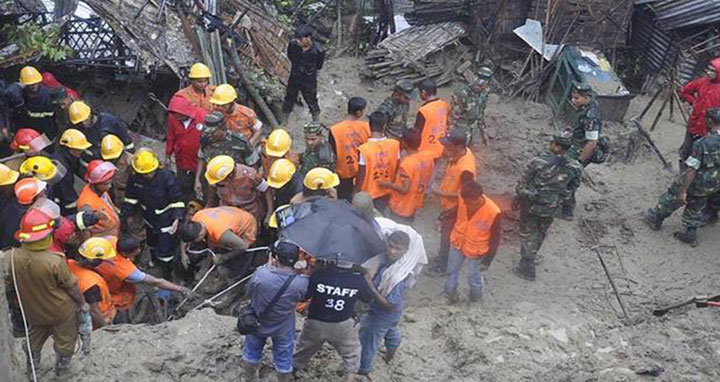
699	301
210	300
605	268
647	137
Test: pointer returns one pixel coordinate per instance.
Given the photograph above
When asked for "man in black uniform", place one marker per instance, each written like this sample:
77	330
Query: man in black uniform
96	126
38	111
307	58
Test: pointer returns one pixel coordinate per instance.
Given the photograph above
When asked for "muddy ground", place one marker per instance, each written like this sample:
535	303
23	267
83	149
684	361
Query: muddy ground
566	326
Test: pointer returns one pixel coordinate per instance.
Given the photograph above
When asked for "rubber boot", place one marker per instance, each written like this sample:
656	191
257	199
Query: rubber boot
525	270
286	377
566	213
688	237
62	365
652	219
250	371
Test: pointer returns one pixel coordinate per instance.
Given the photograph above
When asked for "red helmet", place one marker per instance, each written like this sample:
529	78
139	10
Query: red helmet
35	225
99	171
22	139
26	190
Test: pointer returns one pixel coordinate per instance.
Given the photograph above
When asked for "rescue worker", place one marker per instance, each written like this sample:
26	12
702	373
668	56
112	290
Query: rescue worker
47	290
396	108
92	285
378	162
460	169
121	274
345	137
52	172
29	142
38	111
468	103
306	59
112	150
277	145
71	146
539	195
414	175
8	177
95	197
702	94
695	186
318	182
239	119
586	137
318	152
475	238
199	91
284	181
96	126
184	129
432	118
217	140
155	191
237	185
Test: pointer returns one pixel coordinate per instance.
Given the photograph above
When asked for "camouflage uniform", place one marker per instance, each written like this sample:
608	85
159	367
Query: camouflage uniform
705	159
234	144
321	156
540	193
396	111
468	105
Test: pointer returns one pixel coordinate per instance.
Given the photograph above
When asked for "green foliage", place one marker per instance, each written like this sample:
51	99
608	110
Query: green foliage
30	37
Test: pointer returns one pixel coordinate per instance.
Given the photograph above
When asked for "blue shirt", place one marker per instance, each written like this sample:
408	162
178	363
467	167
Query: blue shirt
395	297
265	283
334	293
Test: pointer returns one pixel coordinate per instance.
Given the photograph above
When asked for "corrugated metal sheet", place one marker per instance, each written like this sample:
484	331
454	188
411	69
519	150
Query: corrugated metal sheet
674	14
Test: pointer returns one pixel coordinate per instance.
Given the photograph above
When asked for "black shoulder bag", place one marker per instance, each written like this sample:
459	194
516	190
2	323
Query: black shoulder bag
248	320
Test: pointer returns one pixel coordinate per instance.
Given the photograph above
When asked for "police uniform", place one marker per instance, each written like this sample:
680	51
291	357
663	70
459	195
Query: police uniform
468	105
539	195
161	203
320	156
396	111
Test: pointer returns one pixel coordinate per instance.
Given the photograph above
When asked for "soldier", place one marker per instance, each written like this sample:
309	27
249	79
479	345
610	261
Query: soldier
467	106
217	140
396	108
318	152
539	194
695	186
586	147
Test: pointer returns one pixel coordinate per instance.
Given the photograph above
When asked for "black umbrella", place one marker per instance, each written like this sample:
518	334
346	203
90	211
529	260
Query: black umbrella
331	230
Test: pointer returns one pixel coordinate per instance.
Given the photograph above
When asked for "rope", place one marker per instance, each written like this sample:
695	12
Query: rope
22	311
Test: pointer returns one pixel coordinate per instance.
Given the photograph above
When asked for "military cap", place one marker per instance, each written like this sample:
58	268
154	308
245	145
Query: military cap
484	74
405	86
214	119
457	137
314	128
713	114
581	87
563	138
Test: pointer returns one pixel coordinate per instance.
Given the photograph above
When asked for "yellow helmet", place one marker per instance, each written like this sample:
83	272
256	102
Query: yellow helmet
280	173
8	176
278	143
39	167
145	161
219	168
321	178
199	70
74	139
223	95
272	223
97	248
111	147
78	111
30	76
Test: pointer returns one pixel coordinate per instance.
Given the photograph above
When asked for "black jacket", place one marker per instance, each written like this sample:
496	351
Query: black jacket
38	112
305	64
106	124
63	192
10	217
159	198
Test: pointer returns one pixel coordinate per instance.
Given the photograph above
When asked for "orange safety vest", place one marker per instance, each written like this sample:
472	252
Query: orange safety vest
90	201
380	165
436	114
418	168
198	100
87	279
241	120
115	271
471	235
219	220
348	136
451	182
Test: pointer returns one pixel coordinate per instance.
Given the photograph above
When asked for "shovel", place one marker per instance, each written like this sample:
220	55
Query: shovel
699	301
